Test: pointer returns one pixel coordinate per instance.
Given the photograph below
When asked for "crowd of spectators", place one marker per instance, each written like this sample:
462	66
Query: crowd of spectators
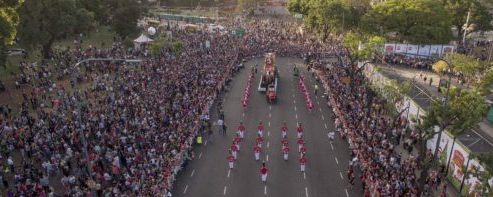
372	136
127	134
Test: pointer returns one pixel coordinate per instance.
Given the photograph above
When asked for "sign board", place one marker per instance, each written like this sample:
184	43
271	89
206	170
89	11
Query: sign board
418	50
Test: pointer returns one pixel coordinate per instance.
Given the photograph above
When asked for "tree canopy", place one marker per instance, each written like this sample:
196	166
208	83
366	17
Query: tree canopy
414	21
44	22
362	47
479	14
9	19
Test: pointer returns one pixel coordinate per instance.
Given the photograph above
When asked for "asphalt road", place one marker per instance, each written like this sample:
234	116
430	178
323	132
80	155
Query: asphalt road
209	175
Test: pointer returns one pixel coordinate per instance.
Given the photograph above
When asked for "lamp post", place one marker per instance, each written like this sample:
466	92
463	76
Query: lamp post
444	105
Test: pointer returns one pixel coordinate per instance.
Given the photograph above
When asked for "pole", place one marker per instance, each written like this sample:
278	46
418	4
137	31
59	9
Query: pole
465	175
444	105
466	26
450	156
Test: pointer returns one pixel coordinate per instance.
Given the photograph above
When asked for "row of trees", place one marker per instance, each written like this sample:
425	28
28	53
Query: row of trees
415	21
41	23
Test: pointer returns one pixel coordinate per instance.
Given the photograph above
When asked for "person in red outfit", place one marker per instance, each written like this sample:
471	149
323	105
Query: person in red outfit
234	151
303	161
299	130
259	141
241	130
231	160
260	128
257	150
284	130
264	171
285	152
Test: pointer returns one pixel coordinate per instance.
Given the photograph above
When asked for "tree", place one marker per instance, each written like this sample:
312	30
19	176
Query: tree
462	111
124	16
484	188
9	19
362	47
479	15
44	22
467	65
330	16
415	21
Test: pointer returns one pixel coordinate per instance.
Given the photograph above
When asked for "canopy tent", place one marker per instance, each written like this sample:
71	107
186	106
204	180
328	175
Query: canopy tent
142	39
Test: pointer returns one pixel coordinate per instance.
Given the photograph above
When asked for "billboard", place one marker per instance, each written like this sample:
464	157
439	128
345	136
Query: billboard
418	50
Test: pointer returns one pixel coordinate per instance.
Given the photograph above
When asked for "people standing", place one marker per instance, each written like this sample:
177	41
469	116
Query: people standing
284	130
303	161
259	141
301	143
234	150
260	129
285	152
241	130
299	130
231	160
264	171
257	150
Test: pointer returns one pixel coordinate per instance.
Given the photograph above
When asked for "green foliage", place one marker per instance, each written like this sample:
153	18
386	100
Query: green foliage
362	47
156	46
415	21
440	67
464	110
124	16
44	22
464	64
485	84
480	16
9	19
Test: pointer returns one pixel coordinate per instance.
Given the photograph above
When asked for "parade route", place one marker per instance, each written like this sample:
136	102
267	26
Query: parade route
208	174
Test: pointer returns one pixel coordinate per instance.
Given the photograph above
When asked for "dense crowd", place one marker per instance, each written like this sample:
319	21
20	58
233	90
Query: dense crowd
372	136
125	135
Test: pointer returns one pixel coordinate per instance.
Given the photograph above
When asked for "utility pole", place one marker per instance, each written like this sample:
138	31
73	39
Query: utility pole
465	28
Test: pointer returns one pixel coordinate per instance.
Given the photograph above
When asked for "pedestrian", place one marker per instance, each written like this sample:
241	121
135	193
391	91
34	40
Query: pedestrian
303	161
234	151
260	129
257	151
264	171
220	124
299	130
316	89
231	160
285	152
237	142
284	130
241	130
302	151
431	81
259	141
300	144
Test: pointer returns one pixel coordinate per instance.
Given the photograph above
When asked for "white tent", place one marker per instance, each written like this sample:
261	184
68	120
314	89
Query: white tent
142	39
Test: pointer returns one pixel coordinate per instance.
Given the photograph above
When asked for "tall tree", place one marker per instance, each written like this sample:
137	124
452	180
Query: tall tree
124	16
415	21
9	19
44	22
479	15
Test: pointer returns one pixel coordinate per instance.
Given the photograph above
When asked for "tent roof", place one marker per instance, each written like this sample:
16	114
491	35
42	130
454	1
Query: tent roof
143	39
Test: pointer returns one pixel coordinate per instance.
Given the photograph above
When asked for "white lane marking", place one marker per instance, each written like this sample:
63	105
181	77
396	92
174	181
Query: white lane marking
340	173
294	102
205	143
319	109
193	172
229	172
267	158
337	161
268	133
331	146
306	191
325	126
304	175
224	191
268	144
294	108
269	124
200	155
318	102
243	114
323	118
270	107
185	191
265	189
296	116
270	115
347	194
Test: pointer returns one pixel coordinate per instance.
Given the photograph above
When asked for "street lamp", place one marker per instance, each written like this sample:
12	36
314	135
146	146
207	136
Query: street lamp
444	105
